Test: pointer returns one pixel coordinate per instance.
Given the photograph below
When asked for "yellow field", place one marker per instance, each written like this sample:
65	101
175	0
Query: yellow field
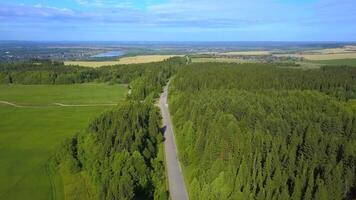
345	49
330	56
228	60
145	59
247	53
328	51
125	60
93	64
346	52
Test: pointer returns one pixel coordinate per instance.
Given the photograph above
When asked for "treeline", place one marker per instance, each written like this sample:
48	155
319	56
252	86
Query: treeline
50	72
122	150
121	153
45	72
149	85
337	81
263	132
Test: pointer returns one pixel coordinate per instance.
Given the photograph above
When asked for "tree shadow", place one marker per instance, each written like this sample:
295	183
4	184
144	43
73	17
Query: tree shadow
163	130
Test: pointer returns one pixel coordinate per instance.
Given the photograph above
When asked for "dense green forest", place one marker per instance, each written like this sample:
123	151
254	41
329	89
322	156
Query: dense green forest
255	131
338	81
248	131
121	151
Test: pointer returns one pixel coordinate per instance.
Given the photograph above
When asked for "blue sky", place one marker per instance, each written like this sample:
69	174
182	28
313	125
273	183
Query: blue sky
178	20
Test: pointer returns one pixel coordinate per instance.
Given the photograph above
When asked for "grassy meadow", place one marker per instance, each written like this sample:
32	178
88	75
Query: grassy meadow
46	95
30	134
350	62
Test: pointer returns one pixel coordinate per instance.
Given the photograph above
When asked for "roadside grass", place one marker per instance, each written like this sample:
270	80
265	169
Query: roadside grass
29	135
77	186
122	61
353	103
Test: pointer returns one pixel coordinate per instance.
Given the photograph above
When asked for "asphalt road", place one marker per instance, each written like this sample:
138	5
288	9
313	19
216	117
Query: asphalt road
177	187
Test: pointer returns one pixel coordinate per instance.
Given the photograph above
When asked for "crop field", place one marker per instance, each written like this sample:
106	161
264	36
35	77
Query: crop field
123	61
212	59
144	59
31	132
324	55
247	53
345	49
333	56
93	64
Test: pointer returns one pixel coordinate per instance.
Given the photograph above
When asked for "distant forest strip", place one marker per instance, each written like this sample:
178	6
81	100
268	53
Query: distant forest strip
121	151
144	79
254	131
53	72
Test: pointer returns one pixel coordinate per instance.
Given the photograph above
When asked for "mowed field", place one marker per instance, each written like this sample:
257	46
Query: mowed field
122	61
29	135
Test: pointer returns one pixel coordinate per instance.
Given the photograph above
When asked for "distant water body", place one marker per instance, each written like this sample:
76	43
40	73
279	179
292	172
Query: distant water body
109	54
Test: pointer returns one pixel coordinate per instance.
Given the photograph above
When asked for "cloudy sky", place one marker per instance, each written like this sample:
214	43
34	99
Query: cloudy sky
178	20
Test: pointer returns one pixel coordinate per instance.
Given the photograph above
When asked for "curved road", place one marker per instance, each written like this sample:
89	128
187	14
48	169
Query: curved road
177	187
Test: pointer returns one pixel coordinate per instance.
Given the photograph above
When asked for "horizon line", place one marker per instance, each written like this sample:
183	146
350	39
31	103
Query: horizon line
184	41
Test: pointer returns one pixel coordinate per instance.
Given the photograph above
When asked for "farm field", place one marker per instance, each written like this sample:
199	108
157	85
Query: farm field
123	61
345	49
93	64
313	57
144	59
30	134
324	55
211	59
247	53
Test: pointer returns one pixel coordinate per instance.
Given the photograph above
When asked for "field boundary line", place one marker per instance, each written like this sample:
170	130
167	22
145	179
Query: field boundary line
57	104
11	104
83	105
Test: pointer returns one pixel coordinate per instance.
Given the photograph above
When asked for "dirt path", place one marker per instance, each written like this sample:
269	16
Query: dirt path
177	187
11	104
56	105
83	105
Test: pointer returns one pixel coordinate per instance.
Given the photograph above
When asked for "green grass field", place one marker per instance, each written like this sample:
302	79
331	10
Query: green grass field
29	135
45	95
350	62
